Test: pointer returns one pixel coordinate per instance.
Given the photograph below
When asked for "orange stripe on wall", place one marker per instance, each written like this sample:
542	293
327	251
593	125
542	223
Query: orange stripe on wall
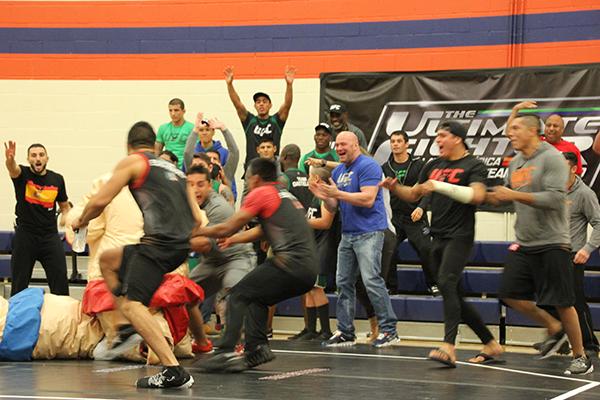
160	13
271	65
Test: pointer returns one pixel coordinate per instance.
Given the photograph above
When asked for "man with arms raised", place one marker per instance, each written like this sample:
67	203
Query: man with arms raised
262	125
134	272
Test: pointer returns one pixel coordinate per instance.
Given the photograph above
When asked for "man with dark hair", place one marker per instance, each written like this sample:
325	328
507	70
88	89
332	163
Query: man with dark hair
203	160
409	219
290	272
219	270
134	272
174	135
538	270
583	211
168	155
37	190
338	117
295	180
202	141
322	150
261	125
455	183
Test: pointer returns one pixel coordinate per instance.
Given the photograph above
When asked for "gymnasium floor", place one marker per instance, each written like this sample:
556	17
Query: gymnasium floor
307	371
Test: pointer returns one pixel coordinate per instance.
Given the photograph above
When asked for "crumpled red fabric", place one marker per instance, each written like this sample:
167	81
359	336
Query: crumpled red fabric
172	295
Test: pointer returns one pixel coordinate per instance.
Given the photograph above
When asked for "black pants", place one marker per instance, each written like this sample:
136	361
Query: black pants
264	286
590	342
387	253
419	238
29	247
450	256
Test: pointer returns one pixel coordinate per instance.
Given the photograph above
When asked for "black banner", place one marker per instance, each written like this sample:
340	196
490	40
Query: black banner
380	103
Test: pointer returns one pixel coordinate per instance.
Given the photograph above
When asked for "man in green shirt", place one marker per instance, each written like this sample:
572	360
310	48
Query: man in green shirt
322	150
173	135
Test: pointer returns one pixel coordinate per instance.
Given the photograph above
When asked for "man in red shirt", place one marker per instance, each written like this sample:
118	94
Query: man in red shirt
554	127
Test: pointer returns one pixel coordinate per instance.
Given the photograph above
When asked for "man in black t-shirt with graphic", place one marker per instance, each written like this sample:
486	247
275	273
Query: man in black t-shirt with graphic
409	219
262	125
37	190
455	182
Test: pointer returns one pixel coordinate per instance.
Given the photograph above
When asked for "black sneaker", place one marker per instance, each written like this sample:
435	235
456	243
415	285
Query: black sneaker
552	344
270	334
261	355
433	290
297	335
580	366
339	339
323	336
223	362
308	336
126	339
168	378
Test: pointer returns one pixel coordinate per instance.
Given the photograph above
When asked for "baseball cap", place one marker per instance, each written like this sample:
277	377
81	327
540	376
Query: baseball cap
456	129
337	109
325	126
260	94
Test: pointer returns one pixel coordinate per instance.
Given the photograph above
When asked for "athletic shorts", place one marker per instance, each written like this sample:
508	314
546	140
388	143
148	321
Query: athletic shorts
545	277
143	267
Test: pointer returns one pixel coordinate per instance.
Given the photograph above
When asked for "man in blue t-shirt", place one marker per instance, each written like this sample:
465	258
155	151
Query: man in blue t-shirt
354	189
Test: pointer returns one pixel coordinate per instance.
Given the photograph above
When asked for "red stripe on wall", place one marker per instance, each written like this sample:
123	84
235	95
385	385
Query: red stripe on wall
272	65
162	13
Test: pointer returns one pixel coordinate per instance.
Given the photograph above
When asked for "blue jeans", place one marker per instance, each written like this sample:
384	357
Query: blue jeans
362	253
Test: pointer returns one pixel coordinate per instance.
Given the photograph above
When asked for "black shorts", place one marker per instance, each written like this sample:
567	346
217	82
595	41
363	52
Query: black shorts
143	267
545	277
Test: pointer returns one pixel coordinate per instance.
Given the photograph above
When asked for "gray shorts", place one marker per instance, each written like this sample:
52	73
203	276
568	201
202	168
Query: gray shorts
214	277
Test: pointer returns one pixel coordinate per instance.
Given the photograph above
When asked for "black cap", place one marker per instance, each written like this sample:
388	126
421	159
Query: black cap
260	94
325	126
456	129
337	109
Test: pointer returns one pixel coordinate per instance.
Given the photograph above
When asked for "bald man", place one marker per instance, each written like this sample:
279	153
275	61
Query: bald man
554	128
354	189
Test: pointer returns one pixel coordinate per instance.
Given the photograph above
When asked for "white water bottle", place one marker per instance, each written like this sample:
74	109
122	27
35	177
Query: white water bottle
78	245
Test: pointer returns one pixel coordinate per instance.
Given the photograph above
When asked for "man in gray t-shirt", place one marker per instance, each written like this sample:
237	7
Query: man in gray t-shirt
583	210
220	269
538	269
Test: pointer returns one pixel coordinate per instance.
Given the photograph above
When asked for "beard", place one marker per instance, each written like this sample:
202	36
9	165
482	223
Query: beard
38	169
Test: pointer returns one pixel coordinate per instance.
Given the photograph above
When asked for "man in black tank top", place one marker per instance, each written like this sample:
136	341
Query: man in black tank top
134	272
290	272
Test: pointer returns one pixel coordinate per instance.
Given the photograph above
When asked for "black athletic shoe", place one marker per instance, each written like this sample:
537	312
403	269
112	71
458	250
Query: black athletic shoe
552	344
270	334
261	355
433	290
298	335
168	378
323	336
223	362
308	336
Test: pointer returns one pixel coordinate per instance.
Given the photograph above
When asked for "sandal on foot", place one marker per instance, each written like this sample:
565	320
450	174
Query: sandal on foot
443	357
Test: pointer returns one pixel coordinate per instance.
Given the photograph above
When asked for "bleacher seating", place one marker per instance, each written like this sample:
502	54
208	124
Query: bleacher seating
480	284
